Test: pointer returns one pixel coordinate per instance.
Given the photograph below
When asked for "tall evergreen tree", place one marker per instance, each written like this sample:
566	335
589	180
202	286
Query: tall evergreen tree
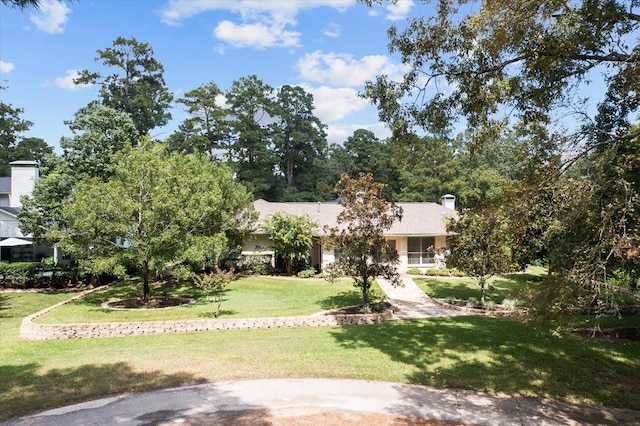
299	141
250	103
137	87
206	128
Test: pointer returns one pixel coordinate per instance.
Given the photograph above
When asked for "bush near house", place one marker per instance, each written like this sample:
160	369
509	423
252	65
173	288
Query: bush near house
21	275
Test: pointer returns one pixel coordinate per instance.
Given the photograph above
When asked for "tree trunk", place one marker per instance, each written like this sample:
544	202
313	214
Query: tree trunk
289	266
482	281
145	281
365	291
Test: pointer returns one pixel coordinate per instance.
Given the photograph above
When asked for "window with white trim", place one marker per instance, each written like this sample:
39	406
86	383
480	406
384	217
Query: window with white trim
420	250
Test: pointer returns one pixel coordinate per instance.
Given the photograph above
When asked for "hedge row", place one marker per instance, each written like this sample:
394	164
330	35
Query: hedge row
36	275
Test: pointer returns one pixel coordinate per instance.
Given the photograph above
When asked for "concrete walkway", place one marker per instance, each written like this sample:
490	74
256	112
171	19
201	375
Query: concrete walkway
324	402
412	302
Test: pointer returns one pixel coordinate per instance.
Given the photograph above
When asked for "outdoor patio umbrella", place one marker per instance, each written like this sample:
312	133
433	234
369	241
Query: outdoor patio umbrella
13	242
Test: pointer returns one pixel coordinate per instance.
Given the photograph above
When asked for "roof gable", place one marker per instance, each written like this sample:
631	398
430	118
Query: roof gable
10	211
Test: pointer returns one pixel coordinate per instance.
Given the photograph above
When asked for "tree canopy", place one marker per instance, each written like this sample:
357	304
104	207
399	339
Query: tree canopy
157	208
137	87
483	60
496	66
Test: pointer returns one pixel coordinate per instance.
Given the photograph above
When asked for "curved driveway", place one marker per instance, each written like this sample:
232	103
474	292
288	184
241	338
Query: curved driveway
323	401
327	401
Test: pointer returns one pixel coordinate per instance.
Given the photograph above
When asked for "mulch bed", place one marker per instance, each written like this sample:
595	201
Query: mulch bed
153	303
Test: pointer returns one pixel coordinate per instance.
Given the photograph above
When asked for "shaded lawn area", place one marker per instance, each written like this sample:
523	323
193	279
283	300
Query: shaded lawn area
247	297
510	286
486	354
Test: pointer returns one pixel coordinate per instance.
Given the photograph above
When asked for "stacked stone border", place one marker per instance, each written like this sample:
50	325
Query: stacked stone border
475	311
33	331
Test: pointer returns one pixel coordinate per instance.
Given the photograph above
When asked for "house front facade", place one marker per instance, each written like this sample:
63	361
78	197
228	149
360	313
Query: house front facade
14	245
420	238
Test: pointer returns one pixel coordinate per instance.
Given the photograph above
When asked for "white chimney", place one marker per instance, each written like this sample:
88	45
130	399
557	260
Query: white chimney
448	201
24	175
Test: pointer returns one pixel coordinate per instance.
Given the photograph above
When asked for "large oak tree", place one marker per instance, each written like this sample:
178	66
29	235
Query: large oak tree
493	65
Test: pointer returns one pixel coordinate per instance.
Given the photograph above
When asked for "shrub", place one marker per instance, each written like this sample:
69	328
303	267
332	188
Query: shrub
490	305
331	273
472	302
509	304
414	271
307	273
456	272
182	273
214	284
444	272
35	275
262	269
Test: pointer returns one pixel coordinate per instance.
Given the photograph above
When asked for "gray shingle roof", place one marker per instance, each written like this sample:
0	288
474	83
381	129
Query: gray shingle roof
427	219
13	211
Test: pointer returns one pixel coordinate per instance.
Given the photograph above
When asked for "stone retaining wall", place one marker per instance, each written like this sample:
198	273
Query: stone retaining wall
34	331
475	311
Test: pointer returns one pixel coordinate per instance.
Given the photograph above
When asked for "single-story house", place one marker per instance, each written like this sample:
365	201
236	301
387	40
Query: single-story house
420	237
14	245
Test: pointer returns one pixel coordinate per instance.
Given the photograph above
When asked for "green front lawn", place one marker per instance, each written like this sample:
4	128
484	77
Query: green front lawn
511	286
487	354
247	297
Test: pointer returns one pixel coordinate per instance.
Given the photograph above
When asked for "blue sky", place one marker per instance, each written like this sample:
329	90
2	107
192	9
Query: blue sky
329	47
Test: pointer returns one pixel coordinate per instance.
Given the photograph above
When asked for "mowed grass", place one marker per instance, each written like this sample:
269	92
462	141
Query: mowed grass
498	288
247	297
486	354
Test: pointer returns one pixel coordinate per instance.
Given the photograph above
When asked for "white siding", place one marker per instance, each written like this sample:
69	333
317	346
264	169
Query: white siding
24	175
9	227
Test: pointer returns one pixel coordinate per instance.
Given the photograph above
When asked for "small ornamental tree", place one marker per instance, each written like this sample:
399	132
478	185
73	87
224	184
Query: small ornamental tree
359	236
480	247
291	236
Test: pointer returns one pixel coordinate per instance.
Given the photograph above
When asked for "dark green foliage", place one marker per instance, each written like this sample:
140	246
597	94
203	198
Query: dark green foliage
307	273
23	275
206	130
573	198
137	88
291	236
480	246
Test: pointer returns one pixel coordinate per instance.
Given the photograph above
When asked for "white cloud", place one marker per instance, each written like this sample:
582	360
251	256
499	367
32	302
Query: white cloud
394	10
5	67
343	69
179	10
51	17
338	133
332	30
262	23
399	10
335	104
258	35
67	83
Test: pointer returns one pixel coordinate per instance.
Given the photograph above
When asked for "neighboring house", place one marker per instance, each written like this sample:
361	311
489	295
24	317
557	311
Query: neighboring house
14	246
420	237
